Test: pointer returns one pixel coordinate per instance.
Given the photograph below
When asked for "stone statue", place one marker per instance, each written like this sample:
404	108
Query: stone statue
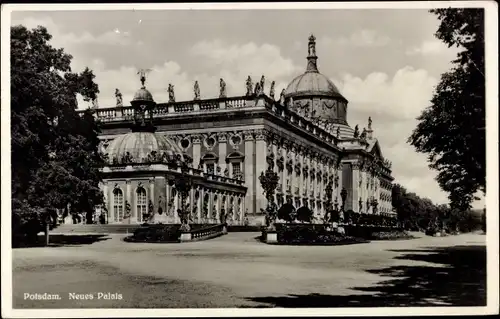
200	166
369	122
271	90
312	48
282	97
356	131
257	88
226	172
171	95
196	90
222	88
262	82
363	134
218	169
249	86
119	98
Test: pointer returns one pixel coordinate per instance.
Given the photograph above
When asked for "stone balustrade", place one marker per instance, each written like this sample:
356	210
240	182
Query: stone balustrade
162	110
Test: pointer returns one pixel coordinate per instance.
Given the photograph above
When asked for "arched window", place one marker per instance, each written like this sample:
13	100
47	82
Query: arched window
209	160
118	204
236	159
141	203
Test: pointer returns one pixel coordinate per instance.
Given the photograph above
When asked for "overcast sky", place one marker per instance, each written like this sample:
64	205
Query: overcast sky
385	62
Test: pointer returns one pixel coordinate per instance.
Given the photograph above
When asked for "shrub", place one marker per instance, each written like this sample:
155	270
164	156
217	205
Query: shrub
309	234
391	235
156	233
304	214
286	212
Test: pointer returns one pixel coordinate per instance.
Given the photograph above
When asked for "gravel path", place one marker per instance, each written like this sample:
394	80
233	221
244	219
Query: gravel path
237	271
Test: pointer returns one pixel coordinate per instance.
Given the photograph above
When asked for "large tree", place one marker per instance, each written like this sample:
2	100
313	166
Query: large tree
451	130
55	157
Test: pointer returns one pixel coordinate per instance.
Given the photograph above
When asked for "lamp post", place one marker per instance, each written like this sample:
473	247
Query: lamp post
183	185
269	181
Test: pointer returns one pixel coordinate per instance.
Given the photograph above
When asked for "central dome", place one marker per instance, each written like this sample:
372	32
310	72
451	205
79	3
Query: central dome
311	83
139	146
143	95
313	96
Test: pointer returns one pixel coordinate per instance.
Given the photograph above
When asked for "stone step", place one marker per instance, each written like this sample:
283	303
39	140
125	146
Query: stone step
97	229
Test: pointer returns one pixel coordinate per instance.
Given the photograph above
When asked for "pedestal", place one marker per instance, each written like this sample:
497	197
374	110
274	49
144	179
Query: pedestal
185	237
272	237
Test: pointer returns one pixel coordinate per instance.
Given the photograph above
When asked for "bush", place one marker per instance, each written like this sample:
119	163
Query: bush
286	212
309	234
156	233
304	214
391	235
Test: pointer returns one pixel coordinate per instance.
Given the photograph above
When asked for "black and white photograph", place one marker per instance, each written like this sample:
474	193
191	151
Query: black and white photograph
237	159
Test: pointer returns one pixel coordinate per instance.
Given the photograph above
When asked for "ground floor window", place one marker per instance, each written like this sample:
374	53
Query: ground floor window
141	203
118	204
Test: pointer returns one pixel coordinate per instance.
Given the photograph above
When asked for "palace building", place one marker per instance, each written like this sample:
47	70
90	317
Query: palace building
227	142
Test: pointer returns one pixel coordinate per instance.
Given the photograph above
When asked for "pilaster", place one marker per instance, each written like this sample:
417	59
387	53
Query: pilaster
249	171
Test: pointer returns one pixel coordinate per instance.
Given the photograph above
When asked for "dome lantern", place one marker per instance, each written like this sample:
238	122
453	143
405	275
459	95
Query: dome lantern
311	57
143	105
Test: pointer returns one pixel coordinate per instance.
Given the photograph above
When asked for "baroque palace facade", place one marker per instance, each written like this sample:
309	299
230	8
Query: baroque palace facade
228	141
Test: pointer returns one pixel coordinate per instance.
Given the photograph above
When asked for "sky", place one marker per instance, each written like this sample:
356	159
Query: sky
386	62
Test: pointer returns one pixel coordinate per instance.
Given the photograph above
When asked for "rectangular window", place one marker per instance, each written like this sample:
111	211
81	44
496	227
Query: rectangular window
211	168
236	170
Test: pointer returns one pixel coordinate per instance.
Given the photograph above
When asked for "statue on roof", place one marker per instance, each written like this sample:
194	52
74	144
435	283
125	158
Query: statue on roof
249	86
196	90
271	90
312	47
119	98
363	134
171	94
369	122
262	82
222	88
356	131
282	97
257	89
142	75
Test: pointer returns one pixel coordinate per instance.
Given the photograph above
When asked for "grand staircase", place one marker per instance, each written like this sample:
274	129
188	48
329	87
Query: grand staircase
95	229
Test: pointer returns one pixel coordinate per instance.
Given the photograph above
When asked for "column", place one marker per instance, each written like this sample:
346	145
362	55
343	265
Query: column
276	169
196	150
283	172
355	187
201	195
128	198
111	205
210	204
301	177
107	198
167	201
176	207
222	139
293	175
261	166
242	208
152	190
249	171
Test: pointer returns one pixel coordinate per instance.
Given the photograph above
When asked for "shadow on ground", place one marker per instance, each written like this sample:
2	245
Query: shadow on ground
456	276
64	240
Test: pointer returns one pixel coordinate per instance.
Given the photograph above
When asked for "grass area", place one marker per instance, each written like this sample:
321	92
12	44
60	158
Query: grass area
238	271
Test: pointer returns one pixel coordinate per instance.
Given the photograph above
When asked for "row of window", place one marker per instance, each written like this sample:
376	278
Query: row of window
119	205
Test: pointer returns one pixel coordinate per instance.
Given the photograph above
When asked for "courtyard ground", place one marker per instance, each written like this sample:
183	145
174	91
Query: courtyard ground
238	271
